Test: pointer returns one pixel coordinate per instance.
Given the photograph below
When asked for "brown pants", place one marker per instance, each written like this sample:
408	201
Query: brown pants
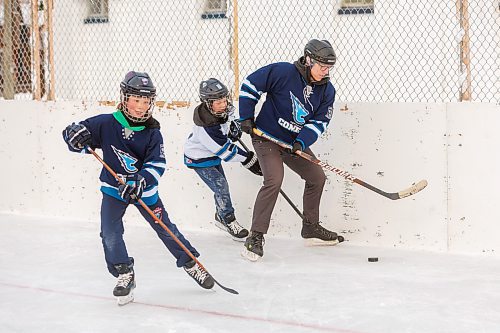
271	159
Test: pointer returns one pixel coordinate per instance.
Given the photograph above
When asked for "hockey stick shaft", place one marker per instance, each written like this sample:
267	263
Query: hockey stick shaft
157	220
393	196
281	191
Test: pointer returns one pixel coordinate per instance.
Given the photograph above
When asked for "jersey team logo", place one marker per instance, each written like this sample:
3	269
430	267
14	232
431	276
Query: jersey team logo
299	111
126	160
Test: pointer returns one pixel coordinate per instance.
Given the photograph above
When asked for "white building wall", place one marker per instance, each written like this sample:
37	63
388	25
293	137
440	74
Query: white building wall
392	55
389	145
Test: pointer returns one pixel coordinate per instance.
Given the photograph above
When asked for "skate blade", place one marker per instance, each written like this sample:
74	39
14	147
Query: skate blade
236	239
223	228
319	242
249	255
124	300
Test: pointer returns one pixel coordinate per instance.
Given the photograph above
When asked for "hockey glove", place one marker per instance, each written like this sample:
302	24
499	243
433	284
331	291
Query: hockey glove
234	131
77	136
247	125
133	188
297	146
252	163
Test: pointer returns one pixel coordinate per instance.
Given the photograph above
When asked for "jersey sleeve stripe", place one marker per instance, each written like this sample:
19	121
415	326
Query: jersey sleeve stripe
313	128
223	149
160	165
234	151
244	94
251	87
154	173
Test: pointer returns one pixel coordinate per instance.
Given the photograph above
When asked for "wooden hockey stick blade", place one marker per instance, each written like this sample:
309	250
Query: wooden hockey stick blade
415	188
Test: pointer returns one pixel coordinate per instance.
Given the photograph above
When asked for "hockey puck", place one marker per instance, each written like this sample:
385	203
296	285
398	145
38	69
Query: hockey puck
373	259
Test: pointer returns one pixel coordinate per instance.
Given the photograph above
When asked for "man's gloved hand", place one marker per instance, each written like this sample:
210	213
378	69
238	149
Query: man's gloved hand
234	131
77	136
133	188
247	125
297	146
252	163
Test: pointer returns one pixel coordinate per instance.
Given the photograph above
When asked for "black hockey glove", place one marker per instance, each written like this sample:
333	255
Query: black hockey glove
234	131
297	146
252	163
133	188
247	125
77	136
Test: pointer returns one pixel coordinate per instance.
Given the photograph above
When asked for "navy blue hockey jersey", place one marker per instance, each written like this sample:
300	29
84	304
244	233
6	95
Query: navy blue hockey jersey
294	111
127	150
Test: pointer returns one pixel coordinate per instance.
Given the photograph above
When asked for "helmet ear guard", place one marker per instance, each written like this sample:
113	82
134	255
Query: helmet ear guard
137	84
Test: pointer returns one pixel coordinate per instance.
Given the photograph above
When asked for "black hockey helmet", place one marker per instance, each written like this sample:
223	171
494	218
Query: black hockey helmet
320	51
137	84
212	90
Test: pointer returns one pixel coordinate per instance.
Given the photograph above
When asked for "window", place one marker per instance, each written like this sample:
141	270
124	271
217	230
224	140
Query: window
214	9
356	7
97	11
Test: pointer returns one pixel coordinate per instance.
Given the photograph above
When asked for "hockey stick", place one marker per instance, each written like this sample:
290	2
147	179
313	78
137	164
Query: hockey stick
281	191
415	188
157	220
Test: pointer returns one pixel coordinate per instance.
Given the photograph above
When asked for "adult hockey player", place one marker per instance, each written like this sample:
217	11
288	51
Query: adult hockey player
132	146
210	143
297	110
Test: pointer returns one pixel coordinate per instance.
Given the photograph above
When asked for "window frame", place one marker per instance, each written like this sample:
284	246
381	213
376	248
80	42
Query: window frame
219	12
349	7
101	15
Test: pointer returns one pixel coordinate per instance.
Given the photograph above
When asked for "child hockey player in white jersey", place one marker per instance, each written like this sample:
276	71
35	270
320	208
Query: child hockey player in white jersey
210	143
132	146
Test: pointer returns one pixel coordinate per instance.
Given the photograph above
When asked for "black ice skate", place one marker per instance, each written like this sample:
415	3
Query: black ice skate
124	290
254	246
315	234
200	275
233	228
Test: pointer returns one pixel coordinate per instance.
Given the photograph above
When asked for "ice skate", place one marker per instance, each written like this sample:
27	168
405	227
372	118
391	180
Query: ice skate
254	246
199	274
233	228
124	300
124	289
314	234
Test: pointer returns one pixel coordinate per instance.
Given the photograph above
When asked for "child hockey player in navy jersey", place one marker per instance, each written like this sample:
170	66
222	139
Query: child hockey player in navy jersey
297	110
210	143
132	146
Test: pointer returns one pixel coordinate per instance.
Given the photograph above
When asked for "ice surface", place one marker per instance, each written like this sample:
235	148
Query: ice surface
53	279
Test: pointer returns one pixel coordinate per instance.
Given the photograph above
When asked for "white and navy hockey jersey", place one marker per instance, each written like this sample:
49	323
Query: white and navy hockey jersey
128	150
208	144
295	110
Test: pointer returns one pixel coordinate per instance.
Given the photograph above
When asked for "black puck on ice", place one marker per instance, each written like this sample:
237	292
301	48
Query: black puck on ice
373	259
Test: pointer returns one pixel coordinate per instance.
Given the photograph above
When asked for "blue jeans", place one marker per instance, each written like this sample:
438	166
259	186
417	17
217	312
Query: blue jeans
115	251
216	180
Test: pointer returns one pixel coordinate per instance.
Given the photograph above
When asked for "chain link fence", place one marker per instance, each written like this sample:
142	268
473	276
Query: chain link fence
388	50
